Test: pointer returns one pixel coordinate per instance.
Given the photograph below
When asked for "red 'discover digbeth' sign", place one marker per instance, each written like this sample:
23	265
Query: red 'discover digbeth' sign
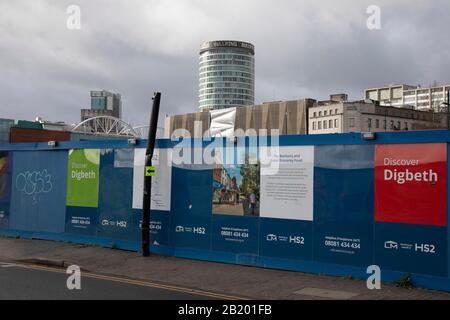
411	183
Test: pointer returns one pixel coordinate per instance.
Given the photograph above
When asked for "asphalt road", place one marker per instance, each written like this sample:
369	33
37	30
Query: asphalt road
20	282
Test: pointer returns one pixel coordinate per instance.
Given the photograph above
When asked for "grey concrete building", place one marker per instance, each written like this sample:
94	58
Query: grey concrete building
426	98
342	116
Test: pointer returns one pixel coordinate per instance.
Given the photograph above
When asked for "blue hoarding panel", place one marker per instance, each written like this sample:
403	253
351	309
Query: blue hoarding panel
4	215
115	197
343	204
191	205
190	230
342	239
159	227
39	191
191	191
5	187
82	220
237	234
411	248
289	239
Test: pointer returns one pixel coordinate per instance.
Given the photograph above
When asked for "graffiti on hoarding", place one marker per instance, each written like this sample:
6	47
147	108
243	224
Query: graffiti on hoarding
33	183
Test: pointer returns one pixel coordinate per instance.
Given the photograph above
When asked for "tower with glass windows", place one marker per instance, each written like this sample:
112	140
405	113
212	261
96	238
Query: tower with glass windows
103	103
226	74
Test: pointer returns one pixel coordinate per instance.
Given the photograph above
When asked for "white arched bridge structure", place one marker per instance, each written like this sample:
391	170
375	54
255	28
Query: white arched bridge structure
106	126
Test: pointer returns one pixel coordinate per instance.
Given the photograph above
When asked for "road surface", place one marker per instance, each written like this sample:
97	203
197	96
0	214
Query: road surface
36	282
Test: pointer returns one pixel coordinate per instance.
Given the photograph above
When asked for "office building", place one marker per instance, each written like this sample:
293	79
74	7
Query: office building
430	98
103	103
341	116
226	75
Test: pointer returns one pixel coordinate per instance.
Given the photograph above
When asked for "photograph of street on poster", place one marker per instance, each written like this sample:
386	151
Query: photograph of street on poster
236	184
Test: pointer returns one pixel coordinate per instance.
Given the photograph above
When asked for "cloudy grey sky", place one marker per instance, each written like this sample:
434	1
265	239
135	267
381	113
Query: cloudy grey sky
134	47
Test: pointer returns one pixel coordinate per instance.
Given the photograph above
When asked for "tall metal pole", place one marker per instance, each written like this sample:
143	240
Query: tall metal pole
148	178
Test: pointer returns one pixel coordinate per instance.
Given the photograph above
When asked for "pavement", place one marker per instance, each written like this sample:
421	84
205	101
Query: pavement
207	279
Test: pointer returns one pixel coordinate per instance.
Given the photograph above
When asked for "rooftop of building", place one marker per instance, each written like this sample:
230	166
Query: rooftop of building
394	85
208	45
103	93
409	86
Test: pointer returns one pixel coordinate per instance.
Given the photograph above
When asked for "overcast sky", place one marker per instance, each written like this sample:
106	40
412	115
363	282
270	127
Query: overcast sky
134	47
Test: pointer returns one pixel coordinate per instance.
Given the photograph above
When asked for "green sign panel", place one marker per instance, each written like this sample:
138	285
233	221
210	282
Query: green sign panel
149	171
83	178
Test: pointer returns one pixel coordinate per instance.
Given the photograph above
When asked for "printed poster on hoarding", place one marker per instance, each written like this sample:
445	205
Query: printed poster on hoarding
161	181
236	183
410	183
411	208
83	178
287	178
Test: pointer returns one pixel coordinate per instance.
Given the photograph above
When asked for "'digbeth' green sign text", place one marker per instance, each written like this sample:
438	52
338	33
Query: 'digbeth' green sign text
83	178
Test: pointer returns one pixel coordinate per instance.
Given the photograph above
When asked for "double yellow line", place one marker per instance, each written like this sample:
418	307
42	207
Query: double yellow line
137	282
